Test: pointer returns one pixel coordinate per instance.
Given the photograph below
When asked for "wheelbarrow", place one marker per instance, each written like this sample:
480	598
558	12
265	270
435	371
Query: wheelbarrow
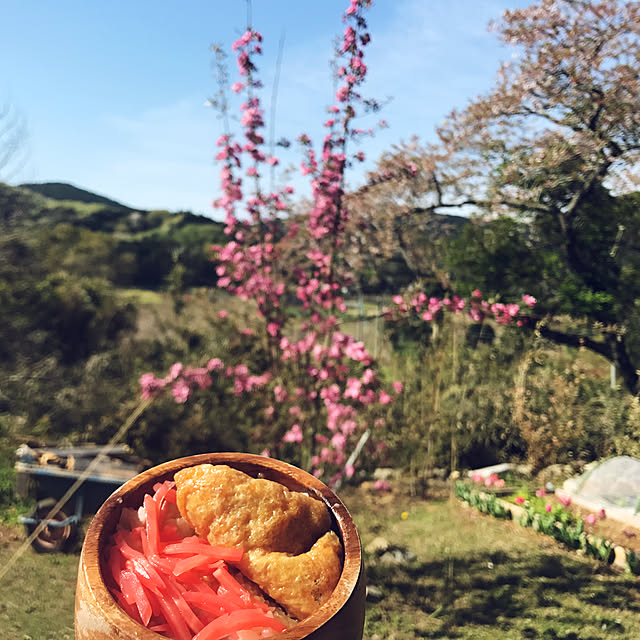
47	474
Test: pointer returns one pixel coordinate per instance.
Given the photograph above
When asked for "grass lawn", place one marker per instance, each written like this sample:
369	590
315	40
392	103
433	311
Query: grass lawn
478	578
38	593
473	577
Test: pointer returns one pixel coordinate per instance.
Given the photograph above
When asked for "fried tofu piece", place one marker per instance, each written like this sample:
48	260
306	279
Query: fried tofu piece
299	583
230	508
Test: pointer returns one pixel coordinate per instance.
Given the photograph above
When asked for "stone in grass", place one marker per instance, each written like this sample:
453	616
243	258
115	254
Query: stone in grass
374	594
377	546
397	556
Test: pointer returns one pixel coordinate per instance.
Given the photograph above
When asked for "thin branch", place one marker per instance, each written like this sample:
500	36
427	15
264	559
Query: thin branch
274	103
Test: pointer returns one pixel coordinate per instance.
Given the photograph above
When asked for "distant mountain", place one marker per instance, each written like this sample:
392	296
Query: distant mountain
52	203
65	191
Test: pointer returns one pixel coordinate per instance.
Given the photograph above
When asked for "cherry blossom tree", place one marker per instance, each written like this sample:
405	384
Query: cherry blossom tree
549	144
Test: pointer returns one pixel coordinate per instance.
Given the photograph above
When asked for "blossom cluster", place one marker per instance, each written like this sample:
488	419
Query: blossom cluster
492	480
477	309
183	380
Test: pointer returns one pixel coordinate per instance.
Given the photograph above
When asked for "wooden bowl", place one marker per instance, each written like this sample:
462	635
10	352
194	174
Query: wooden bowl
98	616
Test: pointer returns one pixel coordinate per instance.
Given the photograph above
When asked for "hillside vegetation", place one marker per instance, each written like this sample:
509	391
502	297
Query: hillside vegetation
93	294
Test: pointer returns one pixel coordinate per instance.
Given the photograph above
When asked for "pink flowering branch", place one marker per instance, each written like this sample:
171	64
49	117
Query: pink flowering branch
475	307
320	390
183	380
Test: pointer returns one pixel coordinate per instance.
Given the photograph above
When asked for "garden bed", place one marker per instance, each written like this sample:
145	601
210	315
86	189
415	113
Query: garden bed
603	538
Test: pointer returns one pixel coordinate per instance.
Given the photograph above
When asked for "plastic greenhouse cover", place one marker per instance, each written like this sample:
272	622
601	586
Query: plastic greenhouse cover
612	484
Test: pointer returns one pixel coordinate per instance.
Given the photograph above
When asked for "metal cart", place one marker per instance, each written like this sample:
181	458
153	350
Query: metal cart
46	474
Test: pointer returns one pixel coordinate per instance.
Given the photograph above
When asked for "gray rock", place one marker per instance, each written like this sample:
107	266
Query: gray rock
397	556
378	545
374	594
385	473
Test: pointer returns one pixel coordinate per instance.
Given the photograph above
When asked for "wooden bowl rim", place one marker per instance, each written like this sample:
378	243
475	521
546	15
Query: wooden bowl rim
285	473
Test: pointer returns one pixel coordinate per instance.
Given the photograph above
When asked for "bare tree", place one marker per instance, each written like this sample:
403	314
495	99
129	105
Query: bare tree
13	135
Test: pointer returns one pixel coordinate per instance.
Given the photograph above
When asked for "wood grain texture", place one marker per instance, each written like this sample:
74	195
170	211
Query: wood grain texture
98	617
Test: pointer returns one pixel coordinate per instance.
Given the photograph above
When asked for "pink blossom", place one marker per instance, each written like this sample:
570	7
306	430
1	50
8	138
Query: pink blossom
590	519
348	427
215	364
243	41
397	386
353	7
512	309
368	376
236	87
349	470
385	398
530	301
491	480
151	385
381	485
519	500
547	508
175	371
368	397
339	441
180	391
343	93
541	492
478	478
293	435
353	388
602	514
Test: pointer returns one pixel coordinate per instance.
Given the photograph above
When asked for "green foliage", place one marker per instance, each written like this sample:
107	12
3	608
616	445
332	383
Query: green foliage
499	258
457	395
633	562
482	501
566	410
475	395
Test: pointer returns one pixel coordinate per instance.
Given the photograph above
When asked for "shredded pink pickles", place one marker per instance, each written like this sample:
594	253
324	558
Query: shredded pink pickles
180	586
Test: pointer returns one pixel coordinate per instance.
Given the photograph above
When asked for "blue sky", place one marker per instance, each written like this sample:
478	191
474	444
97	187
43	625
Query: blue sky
114	92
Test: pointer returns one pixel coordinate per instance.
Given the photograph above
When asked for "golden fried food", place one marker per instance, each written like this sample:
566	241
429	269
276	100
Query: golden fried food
231	509
299	583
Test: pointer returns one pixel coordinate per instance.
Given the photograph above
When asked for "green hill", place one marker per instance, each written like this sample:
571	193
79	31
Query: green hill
65	191
129	248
